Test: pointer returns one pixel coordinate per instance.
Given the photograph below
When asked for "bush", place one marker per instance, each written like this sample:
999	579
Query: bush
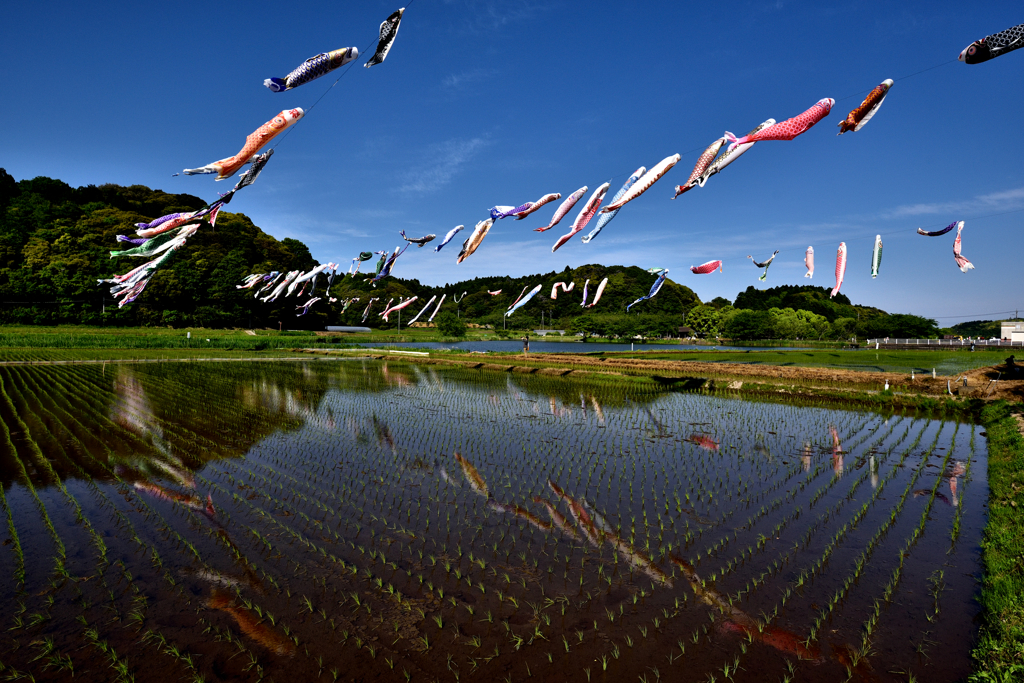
450	325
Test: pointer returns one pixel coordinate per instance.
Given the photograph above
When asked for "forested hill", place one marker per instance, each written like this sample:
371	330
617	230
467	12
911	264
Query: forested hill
55	242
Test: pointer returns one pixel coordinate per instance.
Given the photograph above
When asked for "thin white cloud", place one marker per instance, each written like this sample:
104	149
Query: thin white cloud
447	159
996	201
463	78
487	15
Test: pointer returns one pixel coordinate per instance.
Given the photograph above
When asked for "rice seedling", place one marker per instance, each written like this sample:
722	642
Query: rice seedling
339	507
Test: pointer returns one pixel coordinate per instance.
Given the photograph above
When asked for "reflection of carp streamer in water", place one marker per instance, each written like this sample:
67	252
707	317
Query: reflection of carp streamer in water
189	501
741	622
704	441
473	477
255	629
558	519
519	512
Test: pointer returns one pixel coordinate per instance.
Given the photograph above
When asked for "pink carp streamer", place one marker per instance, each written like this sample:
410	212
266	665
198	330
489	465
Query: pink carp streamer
840	268
961	262
788	129
705	268
597	294
809	262
225	168
533	206
565	288
398	307
644	184
569	202
494	293
584	216
703	161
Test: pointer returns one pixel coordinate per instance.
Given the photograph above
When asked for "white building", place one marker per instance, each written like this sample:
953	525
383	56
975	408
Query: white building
1012	330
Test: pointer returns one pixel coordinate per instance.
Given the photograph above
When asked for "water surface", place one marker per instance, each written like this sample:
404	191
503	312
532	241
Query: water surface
372	521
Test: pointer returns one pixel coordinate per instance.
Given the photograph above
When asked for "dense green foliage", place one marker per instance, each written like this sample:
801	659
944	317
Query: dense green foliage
450	325
55	242
801	312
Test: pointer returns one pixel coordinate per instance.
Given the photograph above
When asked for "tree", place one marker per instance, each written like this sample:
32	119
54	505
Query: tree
749	325
703	320
450	325
584	325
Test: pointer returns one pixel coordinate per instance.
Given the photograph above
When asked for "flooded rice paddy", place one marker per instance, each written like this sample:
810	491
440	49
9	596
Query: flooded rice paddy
361	521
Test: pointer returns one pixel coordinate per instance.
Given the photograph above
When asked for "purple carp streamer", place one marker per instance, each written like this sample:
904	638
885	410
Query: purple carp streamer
840	268
764	275
131	240
423	310
565	288
993	46
584	216
936	233
961	262
398	307
472	242
163	219
564	208
859	117
313	68
586	288
499	212
388	31
606	218
731	155
533	206
644	183
809	262
522	302
597	294
448	237
431	318
418	241
703	161
655	288
305	307
876	256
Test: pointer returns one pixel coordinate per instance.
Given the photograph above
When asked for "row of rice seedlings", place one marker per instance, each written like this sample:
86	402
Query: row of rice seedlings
732	665
894	514
761	543
954	533
886	598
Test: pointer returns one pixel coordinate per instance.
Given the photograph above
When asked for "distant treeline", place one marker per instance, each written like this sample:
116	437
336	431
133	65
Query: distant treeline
55	242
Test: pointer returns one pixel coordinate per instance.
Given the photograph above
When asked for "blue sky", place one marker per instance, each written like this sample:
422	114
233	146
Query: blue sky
484	103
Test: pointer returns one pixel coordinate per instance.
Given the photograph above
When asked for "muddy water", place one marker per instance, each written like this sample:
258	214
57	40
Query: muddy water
367	521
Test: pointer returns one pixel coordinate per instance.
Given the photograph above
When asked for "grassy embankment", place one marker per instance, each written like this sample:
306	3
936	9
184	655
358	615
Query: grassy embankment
999	655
